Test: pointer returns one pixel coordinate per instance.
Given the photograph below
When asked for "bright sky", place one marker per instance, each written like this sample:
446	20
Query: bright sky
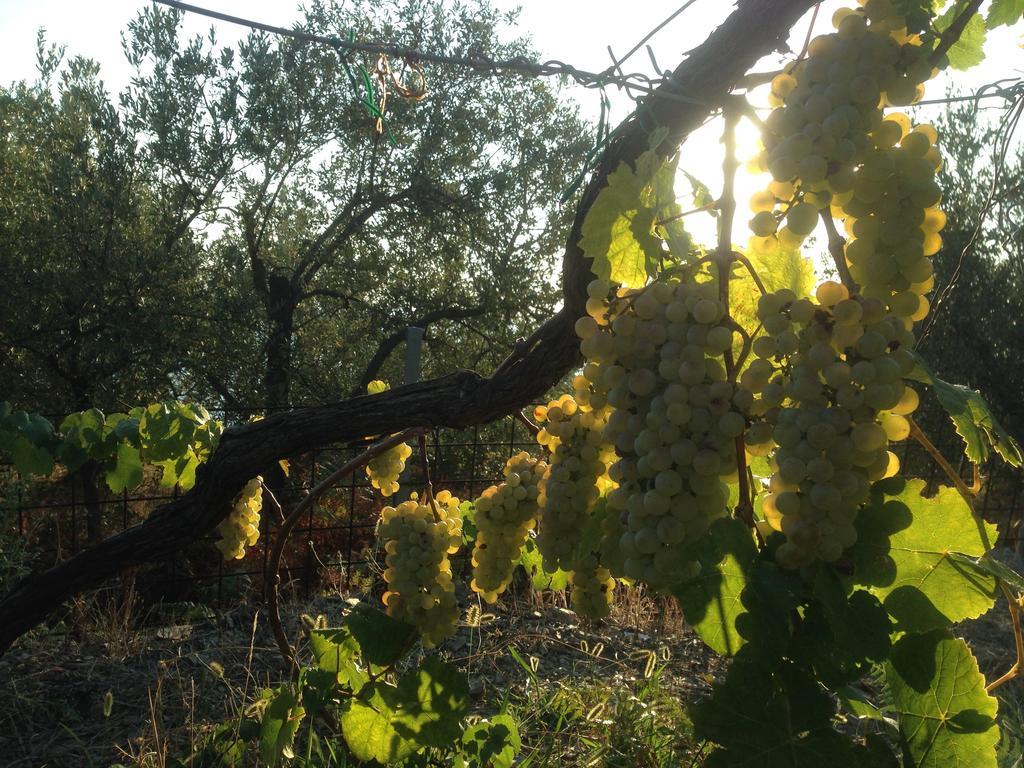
575	31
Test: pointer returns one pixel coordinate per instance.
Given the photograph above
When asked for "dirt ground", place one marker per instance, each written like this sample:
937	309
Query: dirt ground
167	676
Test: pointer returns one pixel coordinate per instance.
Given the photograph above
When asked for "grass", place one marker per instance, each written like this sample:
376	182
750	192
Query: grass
1011	725
592	723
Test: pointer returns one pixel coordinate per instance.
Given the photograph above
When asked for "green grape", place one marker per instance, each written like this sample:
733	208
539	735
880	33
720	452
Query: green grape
578	475
241	527
764	223
384	469
802	218
592	589
417	538
505	515
674	426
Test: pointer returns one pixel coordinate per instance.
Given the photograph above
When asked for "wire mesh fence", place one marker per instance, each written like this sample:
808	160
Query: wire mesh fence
46	522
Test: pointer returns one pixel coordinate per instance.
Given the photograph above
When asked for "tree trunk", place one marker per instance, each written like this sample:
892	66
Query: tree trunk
281	302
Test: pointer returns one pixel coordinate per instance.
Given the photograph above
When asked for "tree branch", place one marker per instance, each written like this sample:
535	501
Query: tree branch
389	343
460	399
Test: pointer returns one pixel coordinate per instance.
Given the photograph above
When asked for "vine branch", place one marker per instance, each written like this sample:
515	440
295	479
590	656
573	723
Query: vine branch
1014	606
724	257
837	249
918	434
952	33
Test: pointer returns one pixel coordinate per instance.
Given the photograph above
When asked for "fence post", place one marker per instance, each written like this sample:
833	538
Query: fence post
413	370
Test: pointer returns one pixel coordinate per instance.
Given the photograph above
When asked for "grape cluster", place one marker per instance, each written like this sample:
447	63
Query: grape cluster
656	356
385	469
505	515
893	219
241	528
418	537
592	588
828	379
574	435
827	108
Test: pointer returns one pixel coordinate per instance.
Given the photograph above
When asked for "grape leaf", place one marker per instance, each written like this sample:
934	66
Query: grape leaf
335	650
973	419
946	718
1004	12
166	432
711	601
492	743
918	13
762	719
428	703
180	471
29	458
127	470
842	634
1000	570
904	554
532	562
369	734
968	50
780	268
382	640
281	721
619	231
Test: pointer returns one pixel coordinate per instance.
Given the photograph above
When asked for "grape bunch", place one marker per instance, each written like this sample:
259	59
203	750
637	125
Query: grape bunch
656	356
574	436
828	107
505	515
241	527
385	469
592	588
828	380
417	537
893	220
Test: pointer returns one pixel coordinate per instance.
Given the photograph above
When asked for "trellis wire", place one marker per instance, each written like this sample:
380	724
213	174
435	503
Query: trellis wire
516	65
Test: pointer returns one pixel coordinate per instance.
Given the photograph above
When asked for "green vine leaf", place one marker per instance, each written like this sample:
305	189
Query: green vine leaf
127	470
619	231
382	640
336	651
779	268
428	704
973	419
492	743
1004	13
369	734
765	720
968	51
905	555
946	718
281	721
532	562
918	13
711	602
1000	570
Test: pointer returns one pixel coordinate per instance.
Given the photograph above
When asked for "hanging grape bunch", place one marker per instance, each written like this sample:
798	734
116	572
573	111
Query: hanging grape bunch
385	469
505	515
417	538
829	373
241	528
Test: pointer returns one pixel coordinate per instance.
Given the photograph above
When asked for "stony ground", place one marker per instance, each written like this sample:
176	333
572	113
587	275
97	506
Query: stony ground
169	674
186	668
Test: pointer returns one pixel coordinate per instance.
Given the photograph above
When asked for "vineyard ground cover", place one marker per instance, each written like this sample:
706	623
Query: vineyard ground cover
594	694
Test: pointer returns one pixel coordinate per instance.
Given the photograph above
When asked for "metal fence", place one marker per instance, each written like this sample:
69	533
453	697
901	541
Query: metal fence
46	521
